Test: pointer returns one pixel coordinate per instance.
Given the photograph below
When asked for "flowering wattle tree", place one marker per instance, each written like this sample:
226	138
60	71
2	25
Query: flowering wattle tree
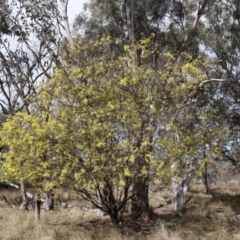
104	122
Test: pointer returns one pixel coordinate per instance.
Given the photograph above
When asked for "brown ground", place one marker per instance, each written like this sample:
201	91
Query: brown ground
215	216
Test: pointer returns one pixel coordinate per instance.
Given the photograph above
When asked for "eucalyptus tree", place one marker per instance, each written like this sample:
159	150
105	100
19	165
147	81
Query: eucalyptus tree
220	37
30	40
31	33
173	22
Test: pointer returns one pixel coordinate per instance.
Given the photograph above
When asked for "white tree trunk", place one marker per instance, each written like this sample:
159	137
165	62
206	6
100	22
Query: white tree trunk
49	200
180	188
66	30
178	197
25	200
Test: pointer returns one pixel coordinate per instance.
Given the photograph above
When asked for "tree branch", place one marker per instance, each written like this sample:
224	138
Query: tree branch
216	80
191	33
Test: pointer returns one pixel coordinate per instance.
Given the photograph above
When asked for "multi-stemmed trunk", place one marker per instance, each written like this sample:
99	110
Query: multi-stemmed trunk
140	205
116	217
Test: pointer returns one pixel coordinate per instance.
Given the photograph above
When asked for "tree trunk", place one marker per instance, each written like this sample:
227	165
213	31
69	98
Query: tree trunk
179	190
192	31
114	217
205	179
37	206
130	20
140	205
66	29
25	200
178	197
49	201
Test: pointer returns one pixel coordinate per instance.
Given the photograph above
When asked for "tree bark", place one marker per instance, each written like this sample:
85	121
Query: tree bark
140	205
192	31
25	200
66	32
37	207
205	178
178	197
114	217
49	202
130	20
179	190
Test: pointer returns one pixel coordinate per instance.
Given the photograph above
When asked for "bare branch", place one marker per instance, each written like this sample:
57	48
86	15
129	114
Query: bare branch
11	76
217	80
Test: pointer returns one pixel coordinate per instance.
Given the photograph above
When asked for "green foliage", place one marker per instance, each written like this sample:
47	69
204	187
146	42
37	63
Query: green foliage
104	119
168	20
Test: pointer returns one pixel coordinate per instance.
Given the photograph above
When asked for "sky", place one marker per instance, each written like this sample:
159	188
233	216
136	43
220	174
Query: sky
74	7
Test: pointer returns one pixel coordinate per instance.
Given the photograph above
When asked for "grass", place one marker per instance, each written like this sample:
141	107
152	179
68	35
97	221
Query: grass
208	217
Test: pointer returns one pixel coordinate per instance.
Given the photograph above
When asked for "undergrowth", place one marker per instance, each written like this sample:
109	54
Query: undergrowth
210	217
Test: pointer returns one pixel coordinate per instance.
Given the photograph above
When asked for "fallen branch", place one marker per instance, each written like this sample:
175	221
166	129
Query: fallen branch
29	195
164	199
86	209
188	199
31	199
63	204
9	203
168	201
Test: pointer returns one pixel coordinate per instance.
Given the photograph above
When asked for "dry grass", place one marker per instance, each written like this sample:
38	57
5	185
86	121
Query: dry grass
210	217
70	225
